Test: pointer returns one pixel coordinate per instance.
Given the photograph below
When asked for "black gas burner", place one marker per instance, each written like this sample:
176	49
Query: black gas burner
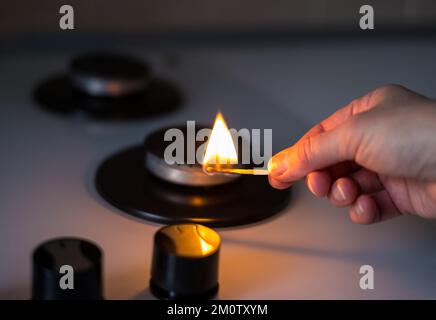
108	86
171	194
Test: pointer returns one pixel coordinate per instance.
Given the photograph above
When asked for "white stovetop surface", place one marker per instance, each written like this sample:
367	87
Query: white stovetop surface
311	250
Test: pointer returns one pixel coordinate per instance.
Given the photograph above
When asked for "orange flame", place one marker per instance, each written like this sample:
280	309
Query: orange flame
220	148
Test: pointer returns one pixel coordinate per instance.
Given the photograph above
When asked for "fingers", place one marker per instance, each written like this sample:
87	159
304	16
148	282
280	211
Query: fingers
333	141
373	208
365	210
315	153
318	182
367	180
278	184
343	192
361	190
323	145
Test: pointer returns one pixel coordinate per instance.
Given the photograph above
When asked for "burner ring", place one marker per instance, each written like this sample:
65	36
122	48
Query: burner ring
190	175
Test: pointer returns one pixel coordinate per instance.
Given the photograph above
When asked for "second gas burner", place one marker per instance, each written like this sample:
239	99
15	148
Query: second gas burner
108	86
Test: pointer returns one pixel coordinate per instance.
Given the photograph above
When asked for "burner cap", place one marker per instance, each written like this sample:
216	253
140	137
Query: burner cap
183	174
108	86
108	75
124	181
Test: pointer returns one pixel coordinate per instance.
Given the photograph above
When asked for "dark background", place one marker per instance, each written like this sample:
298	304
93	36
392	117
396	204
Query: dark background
143	16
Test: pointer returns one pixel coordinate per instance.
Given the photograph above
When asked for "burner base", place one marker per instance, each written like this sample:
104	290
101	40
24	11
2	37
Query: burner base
123	181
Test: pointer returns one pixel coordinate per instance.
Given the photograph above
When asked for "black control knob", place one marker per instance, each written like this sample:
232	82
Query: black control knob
185	262
60	257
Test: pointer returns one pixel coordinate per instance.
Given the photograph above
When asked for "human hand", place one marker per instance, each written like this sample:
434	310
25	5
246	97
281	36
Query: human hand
377	155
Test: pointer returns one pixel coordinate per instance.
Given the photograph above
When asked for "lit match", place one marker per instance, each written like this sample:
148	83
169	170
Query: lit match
221	153
254	171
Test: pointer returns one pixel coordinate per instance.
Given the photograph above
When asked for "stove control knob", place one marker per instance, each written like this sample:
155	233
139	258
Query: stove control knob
185	262
67	269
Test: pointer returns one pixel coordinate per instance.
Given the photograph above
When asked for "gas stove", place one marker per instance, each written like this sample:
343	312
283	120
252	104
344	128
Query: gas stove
60	163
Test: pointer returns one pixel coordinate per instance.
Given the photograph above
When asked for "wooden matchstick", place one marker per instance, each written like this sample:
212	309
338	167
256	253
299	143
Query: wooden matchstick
212	169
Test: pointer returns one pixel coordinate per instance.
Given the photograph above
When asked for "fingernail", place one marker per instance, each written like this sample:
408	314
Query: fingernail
338	192
358	208
277	164
309	185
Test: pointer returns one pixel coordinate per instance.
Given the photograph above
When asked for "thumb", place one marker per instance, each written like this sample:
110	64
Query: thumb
314	153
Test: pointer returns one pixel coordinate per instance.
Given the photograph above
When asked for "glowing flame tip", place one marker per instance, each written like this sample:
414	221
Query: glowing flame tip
220	148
